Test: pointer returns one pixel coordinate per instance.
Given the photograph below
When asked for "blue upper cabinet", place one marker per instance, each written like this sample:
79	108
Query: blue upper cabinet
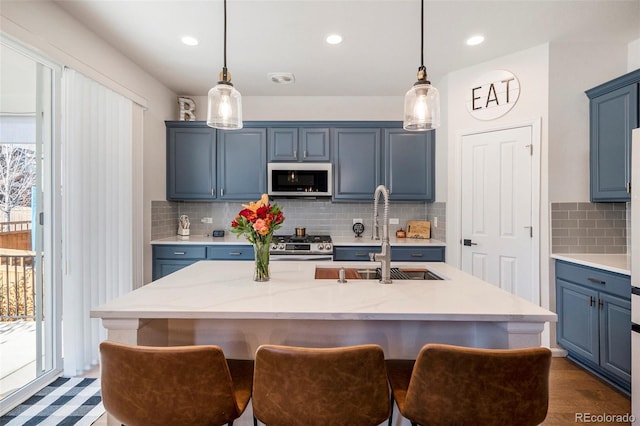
357	162
191	162
242	164
293	144
410	164
614	113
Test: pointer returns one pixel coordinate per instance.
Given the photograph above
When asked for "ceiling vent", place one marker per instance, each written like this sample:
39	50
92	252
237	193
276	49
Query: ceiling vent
281	77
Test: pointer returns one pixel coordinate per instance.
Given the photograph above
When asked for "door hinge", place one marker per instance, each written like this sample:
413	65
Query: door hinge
530	146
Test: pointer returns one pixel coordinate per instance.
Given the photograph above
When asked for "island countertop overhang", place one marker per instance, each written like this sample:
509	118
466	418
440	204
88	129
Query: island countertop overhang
225	290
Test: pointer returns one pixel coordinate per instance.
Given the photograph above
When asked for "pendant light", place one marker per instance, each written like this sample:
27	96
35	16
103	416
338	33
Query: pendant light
225	102
422	101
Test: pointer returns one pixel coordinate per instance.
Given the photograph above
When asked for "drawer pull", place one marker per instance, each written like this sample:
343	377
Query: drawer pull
417	254
362	254
596	281
235	253
179	253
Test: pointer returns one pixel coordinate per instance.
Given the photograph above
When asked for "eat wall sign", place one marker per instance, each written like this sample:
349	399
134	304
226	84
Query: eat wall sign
493	94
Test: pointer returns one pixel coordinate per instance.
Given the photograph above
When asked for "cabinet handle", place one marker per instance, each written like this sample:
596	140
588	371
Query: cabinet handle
590	300
179	253
295	153
222	192
213	192
596	281
234	253
628	186
417	254
600	304
304	154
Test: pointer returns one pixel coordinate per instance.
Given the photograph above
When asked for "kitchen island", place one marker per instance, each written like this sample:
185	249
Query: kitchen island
217	302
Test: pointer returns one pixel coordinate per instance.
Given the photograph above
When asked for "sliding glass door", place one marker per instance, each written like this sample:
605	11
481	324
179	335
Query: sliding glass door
30	349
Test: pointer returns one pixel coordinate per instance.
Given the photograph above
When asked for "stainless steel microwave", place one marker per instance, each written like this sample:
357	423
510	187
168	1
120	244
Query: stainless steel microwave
299	179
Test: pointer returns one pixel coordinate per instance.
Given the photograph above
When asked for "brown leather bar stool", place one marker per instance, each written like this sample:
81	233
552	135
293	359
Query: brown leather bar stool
180	385
295	386
449	385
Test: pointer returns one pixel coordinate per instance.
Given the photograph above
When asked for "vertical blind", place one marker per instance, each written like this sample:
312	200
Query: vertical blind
99	182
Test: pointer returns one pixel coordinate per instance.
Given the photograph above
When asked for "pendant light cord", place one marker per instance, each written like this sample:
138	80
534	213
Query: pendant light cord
225	35
421	34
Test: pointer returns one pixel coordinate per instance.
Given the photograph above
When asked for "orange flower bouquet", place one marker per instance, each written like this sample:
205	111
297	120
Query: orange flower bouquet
257	221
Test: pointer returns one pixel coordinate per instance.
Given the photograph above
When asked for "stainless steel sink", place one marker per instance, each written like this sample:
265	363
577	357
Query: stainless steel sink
375	273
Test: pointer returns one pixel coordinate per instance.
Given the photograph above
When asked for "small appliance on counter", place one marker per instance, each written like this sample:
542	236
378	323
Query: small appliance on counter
183	227
358	229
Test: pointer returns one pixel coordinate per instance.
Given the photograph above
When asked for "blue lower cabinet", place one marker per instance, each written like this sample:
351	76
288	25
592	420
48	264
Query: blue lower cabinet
230	252
357	253
594	320
417	254
398	254
171	258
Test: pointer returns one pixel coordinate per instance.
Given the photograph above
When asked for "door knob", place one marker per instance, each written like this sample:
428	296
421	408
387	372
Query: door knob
469	243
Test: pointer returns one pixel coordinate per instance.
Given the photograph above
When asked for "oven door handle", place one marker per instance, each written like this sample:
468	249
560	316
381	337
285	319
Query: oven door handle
302	257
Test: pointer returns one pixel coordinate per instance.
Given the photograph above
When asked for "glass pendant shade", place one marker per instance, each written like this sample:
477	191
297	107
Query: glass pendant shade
224	107
422	108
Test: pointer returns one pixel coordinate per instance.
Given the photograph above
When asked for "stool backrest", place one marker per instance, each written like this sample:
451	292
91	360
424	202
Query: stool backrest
188	385
320	386
457	385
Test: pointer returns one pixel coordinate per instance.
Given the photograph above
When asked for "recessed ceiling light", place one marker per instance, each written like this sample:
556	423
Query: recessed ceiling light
475	40
334	39
281	77
189	41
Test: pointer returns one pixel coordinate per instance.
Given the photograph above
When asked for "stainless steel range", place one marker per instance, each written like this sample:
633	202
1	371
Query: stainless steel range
308	247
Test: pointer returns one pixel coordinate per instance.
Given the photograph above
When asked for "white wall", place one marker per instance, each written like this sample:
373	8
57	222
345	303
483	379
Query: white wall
633	59
574	68
531	68
50	30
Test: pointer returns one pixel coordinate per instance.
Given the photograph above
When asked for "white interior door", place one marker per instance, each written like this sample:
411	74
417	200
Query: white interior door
496	210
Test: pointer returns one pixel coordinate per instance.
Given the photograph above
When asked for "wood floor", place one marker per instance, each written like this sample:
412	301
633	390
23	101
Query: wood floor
572	390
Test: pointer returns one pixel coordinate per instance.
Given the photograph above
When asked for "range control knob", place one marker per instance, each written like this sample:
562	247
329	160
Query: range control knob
327	246
274	246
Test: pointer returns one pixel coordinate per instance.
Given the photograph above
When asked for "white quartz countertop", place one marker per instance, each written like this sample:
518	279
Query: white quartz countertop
619	263
230	238
226	290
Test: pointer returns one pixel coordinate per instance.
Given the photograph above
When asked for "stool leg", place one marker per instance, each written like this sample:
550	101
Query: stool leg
391	411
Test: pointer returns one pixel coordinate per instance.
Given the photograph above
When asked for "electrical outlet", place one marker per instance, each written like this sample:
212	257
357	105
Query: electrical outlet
394	221
206	220
435	222
357	220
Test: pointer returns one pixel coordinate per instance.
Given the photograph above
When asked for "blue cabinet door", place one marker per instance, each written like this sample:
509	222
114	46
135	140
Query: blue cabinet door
357	159
191	163
293	144
314	144
410	164
417	254
242	164
612	117
230	252
283	144
615	341
578	321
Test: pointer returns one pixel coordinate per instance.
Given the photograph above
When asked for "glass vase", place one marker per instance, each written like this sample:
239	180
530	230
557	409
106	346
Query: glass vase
261	252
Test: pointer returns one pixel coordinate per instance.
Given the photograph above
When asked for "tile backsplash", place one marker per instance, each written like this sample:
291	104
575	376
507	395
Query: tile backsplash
589	227
317	216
